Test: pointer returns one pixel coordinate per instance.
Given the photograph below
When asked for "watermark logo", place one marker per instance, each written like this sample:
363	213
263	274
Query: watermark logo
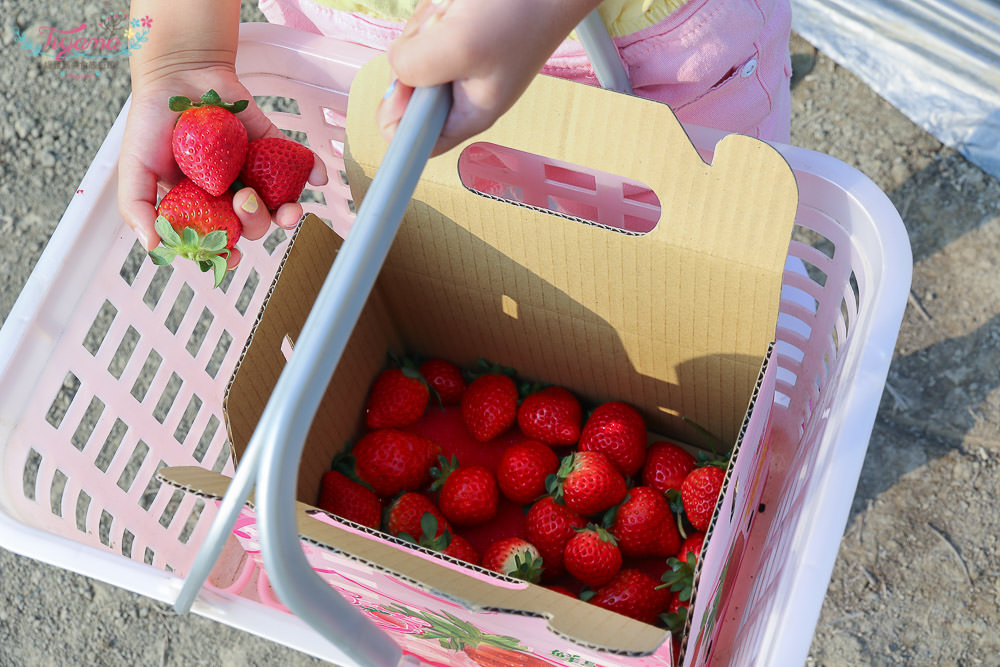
87	50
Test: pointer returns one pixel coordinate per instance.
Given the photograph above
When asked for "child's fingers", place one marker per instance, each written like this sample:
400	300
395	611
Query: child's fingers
253	214
288	215
235	256
137	191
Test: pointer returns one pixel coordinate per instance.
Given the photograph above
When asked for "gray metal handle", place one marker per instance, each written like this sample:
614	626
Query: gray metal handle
272	456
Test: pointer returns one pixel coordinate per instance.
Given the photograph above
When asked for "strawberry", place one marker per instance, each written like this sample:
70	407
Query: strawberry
592	556
523	469
666	466
675	615
549	526
700	492
405	516
509	521
277	169
552	415
445	379
632	594
587	483
198	226
398	398
514	557
679	579
209	142
644	525
467	495
434	532
489	406
619	431
692	545
391	461
349	500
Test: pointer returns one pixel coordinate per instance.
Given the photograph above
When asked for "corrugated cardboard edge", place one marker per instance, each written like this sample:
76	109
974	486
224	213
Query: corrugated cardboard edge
212	486
226	395
737	448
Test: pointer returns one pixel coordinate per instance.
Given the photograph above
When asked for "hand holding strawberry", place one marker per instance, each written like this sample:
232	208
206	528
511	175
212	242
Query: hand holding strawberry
147	161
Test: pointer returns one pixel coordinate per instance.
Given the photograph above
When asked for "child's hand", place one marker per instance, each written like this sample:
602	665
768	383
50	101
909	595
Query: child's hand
147	159
489	49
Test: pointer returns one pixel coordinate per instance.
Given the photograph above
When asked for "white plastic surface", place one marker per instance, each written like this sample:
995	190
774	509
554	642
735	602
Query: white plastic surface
65	493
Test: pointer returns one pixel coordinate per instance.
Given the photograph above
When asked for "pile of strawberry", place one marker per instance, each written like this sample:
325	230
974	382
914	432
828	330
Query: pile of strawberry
195	219
522	481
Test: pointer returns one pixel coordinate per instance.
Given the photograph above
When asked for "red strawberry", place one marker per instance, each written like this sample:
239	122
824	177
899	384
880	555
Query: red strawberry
675	616
467	495
514	557
489	406
587	483
460	548
549	527
523	469
391	461
277	169
509	521
349	500
209	142
552	415
619	431
666	466
632	594
679	579
198	226
445	378
592	556
644	525
405	516
398	398
692	545
700	492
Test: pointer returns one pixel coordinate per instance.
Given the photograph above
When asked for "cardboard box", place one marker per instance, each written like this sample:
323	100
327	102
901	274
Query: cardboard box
677	321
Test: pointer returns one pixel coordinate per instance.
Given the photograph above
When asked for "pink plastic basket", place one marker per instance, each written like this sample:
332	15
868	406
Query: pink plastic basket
111	368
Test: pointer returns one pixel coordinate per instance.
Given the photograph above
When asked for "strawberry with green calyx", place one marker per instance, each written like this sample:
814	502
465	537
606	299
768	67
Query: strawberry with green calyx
644	525
441	539
198	226
617	430
592	556
467	495
407	515
523	469
551	415
209	142
631	593
391	461
675	615
550	526
679	579
700	493
348	499
516	558
398	397
277	168
587	482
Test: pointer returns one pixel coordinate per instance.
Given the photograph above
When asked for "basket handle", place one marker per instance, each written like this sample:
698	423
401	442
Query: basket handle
272	456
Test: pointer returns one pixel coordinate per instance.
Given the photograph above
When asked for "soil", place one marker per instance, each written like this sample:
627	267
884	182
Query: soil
917	580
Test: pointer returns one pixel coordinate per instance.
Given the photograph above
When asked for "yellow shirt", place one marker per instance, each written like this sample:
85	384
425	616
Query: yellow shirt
623	17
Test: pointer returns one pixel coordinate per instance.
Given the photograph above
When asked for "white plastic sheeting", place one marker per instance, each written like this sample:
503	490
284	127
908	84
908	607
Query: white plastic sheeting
937	61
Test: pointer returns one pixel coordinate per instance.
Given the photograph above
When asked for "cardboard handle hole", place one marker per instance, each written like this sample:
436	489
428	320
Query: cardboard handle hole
558	187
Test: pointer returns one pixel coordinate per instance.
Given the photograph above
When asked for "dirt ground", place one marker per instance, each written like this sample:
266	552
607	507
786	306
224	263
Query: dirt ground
917	580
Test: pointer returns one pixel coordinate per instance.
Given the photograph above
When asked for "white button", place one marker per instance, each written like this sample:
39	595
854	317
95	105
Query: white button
749	68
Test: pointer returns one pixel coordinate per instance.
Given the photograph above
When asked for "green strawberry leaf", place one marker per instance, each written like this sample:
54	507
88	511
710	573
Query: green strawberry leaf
211	98
168	235
162	256
215	241
179	103
219	268
190	237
